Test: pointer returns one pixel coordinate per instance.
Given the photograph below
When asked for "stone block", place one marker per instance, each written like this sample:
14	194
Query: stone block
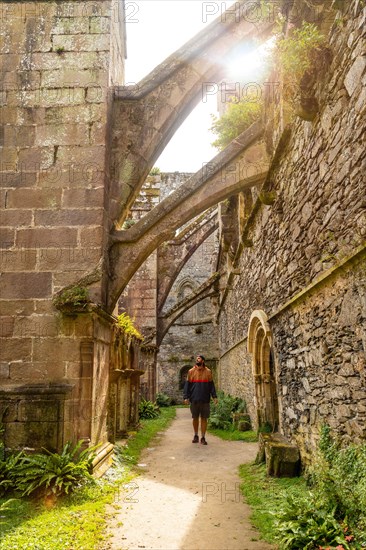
37	326
99	25
15	349
68	60
17	307
80	197
8	157
65	349
68	259
75	114
38	371
70	25
354	76
34	435
74	78
36	158
7	236
44	306
282	458
68	217
95	155
21	178
15	218
39	237
38	410
15	136
18	260
6	326
82	42
4	370
91	236
62	134
25	285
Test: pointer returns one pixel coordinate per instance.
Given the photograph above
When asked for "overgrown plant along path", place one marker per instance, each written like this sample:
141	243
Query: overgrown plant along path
187	496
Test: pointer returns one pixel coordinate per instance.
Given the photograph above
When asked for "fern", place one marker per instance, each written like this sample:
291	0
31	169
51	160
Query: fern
148	409
55	473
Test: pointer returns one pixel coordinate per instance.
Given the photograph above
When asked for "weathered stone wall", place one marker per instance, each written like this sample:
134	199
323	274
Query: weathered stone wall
194	332
55	108
316	221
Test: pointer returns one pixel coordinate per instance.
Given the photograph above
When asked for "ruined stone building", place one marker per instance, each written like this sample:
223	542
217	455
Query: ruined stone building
281	308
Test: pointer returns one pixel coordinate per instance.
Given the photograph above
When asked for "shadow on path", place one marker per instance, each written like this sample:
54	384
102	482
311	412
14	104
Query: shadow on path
187	496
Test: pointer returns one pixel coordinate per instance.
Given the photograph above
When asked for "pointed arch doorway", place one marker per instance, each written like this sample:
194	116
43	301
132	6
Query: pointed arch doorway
263	365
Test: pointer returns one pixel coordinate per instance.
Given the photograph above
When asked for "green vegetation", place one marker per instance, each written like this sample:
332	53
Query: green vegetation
265	495
324	510
126	323
77	296
235	435
127	224
148	409
76	521
155	171
47	473
222	413
239	116
54	473
296	55
163	400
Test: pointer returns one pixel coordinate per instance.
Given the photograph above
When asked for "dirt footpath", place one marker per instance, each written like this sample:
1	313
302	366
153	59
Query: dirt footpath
187	496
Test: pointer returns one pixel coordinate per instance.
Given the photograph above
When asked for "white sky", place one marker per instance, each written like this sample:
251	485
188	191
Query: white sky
155	29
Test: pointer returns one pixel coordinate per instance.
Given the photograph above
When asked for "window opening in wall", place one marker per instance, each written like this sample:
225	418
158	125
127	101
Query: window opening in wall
183	376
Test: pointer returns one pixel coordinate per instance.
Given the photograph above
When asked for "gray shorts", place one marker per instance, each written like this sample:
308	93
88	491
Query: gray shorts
199	409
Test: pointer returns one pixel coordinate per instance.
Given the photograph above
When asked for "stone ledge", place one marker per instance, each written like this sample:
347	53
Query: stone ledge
281	457
103	460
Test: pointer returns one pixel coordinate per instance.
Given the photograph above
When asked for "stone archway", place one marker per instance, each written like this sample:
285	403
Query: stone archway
261	349
183	375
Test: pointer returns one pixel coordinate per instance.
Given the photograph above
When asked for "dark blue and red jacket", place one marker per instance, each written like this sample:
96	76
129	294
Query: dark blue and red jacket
199	385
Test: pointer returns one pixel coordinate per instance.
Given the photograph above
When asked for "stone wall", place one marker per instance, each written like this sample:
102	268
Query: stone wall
315	223
194	332
58	61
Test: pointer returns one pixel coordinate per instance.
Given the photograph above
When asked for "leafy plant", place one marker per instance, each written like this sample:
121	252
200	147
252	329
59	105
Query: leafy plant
76	296
128	223
239	116
8	472
335	503
302	524
163	400
53	473
222	413
6	506
126	323
155	171
296	54
148	409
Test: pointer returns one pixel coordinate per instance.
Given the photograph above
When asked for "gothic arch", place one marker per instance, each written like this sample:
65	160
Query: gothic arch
183	375
260	346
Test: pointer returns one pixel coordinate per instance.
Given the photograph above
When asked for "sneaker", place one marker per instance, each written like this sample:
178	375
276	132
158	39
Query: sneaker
195	439
203	441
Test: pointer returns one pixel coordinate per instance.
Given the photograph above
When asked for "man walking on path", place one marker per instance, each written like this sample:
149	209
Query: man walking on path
198	390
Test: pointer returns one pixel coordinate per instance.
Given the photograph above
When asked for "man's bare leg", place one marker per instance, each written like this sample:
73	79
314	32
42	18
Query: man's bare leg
195	422
203	426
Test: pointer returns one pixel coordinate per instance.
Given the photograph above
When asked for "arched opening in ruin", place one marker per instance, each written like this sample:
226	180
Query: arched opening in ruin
183	375
263	368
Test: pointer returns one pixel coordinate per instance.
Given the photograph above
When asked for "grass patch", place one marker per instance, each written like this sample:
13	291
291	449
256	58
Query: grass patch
78	521
266	495
235	435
